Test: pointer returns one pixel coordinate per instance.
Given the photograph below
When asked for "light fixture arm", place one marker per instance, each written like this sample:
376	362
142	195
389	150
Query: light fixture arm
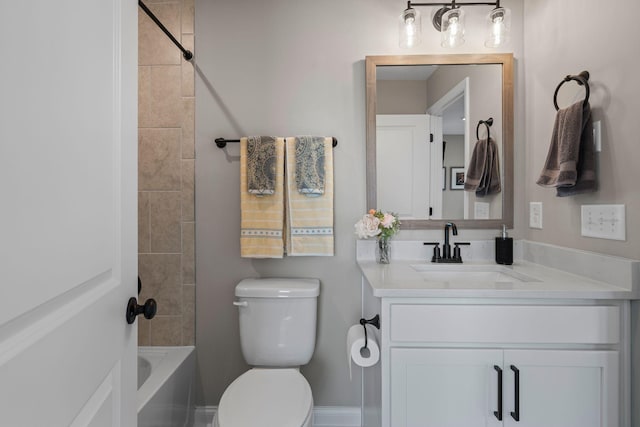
454	4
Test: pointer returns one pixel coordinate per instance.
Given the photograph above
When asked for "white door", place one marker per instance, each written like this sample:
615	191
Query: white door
68	154
561	388
444	387
402	164
436	176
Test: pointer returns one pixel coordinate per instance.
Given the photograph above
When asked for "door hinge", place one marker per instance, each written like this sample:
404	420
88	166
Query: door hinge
430	137
430	211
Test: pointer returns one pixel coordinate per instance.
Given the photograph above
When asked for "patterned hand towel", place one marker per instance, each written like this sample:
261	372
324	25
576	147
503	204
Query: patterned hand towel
310	170
262	216
261	165
309	221
570	140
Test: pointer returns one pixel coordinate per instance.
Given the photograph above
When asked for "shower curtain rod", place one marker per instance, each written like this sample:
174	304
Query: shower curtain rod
185	53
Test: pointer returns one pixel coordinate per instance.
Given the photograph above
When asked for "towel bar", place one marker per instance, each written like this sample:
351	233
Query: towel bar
222	142
582	79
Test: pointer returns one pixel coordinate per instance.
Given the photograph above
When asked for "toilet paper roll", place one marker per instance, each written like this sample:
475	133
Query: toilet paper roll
355	346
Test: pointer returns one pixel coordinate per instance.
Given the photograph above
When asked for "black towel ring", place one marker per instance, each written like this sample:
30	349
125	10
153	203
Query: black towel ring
582	79
487	123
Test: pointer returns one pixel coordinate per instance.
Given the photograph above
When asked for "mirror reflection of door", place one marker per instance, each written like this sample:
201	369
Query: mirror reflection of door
403	144
454	98
452	109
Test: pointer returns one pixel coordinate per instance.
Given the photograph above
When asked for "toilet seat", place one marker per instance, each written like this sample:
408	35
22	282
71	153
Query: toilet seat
266	397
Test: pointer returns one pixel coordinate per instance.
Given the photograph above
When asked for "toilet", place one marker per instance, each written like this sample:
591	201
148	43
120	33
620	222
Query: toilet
277	336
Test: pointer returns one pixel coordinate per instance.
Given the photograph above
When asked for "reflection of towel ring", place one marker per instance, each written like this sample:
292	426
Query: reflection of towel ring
582	79
487	123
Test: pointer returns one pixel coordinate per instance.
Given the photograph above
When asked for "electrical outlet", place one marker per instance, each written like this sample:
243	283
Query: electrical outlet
535	215
604	221
481	210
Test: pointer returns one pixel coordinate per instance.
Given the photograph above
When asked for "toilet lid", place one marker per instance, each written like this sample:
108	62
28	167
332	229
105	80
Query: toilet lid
266	397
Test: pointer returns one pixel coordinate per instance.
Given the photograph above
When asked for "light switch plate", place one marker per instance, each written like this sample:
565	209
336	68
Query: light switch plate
535	215
604	221
597	136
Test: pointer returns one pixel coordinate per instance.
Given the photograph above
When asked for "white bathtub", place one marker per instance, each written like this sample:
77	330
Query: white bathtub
165	386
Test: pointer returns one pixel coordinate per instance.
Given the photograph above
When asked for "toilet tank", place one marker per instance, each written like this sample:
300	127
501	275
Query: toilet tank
277	320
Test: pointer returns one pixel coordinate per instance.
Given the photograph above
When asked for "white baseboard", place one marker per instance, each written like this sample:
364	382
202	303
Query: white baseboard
338	416
323	416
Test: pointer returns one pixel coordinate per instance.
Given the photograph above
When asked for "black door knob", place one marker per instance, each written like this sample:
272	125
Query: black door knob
148	309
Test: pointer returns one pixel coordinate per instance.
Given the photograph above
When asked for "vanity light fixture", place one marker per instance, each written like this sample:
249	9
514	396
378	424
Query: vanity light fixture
449	21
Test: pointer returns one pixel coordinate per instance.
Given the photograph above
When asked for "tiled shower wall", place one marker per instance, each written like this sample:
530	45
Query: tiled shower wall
166	220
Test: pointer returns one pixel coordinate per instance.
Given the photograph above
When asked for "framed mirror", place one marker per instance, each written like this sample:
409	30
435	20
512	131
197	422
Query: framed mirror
426	115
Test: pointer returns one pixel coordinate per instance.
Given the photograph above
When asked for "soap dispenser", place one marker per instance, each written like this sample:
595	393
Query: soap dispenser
504	248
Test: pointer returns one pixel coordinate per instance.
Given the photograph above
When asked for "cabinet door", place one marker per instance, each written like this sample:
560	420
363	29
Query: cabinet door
444	387
561	388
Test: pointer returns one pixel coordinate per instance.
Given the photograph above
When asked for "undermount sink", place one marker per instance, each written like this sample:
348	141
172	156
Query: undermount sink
470	273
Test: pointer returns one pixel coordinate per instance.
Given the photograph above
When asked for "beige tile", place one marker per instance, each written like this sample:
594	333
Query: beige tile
154	47
188	315
188	190
188	15
188	253
188	86
160	275
164	221
144	94
143	331
163	107
143	222
166	330
159	159
188	125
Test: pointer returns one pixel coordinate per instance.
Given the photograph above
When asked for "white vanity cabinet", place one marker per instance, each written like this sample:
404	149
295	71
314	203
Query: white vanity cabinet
483	362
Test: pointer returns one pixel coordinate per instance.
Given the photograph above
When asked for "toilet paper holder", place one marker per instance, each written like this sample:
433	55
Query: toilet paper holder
375	321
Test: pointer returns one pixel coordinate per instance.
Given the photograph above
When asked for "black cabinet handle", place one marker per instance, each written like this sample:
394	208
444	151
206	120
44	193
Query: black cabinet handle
516	414
498	413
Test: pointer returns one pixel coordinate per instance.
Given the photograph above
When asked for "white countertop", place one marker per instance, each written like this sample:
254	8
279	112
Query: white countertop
401	279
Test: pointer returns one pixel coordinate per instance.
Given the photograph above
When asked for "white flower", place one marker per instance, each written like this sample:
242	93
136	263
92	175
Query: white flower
367	227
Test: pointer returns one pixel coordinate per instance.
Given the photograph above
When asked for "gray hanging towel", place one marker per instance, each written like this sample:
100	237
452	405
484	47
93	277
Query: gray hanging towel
310	167
570	163
483	174
261	165
586	181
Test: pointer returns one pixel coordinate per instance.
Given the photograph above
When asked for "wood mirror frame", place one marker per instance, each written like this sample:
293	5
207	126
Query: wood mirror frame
506	60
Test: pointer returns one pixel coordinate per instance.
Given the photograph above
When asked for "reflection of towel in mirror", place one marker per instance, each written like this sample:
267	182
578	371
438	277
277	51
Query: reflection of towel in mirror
483	175
570	164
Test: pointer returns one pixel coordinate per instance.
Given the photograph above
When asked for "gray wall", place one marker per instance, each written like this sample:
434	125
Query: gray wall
287	68
561	47
565	38
401	97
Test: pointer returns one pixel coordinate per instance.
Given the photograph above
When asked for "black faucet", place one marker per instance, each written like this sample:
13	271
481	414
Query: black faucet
446	256
446	248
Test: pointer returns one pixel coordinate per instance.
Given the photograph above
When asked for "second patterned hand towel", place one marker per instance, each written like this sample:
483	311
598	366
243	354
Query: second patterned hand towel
309	187
261	197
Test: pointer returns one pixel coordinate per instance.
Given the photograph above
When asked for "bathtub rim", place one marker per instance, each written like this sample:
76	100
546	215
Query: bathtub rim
172	358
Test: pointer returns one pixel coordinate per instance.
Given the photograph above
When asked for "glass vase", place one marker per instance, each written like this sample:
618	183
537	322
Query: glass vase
383	250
